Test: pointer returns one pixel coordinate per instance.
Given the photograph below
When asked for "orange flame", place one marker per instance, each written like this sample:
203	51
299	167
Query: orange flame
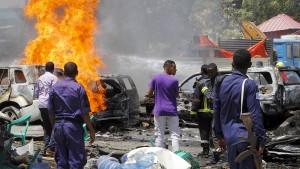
65	34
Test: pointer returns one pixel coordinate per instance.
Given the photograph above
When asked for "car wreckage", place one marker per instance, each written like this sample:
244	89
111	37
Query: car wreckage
121	100
17	91
279	98
17	97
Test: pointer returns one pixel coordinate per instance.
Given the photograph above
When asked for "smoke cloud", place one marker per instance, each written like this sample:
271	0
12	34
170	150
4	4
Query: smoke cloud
134	37
137	36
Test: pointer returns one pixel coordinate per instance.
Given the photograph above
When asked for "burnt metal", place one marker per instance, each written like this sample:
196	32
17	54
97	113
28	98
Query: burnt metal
285	139
121	99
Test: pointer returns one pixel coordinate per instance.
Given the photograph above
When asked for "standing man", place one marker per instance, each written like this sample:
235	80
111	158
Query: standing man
69	109
203	106
213	73
165	89
42	89
228	126
205	113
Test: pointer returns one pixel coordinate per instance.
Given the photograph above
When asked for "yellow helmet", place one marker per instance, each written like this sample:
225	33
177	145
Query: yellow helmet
279	64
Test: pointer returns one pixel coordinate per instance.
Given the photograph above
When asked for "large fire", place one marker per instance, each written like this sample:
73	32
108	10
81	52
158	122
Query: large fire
66	33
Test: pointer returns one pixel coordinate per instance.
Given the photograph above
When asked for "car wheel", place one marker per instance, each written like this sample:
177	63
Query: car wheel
11	111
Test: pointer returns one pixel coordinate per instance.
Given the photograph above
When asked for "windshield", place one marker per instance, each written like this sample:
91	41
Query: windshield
189	85
290	77
261	78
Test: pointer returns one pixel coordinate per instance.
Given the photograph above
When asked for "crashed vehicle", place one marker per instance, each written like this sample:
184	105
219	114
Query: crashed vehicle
17	84
17	91
279	98
121	99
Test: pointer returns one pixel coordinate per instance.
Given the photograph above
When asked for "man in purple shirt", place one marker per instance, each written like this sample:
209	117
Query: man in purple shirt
228	126
42	89
69	108
165	89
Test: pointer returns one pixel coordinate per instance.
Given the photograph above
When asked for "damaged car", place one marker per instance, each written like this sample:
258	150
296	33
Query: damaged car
186	91
17	83
121	99
17	91
279	92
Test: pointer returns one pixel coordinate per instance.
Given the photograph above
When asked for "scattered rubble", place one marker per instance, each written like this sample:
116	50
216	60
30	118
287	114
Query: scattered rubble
282	149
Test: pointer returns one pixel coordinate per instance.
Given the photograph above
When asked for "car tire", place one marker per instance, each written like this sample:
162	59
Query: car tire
12	112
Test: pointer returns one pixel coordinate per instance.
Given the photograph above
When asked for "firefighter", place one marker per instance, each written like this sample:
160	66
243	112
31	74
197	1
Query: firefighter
202	104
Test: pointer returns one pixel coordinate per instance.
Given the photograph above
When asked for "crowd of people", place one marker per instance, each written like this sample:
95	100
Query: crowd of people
218	102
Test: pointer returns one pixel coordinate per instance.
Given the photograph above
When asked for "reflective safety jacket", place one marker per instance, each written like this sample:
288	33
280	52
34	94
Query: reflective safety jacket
203	95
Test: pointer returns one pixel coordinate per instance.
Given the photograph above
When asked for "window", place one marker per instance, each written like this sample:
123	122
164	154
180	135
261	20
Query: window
291	77
261	78
189	85
111	87
127	83
4	77
296	50
19	77
289	51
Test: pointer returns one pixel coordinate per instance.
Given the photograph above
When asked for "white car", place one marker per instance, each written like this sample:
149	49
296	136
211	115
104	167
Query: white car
17	91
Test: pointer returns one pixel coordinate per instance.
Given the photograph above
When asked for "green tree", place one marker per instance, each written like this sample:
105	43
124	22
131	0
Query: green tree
259	11
256	11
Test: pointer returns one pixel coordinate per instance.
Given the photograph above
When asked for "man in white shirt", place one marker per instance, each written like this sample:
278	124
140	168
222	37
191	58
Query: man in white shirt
42	89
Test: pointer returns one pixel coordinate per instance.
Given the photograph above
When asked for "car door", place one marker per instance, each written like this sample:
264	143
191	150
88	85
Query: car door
132	95
22	91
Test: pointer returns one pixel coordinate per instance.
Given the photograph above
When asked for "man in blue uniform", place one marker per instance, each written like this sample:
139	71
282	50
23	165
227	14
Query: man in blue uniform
68	109
228	126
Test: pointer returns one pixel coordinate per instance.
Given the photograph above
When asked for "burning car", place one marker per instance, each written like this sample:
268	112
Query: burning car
17	94
121	99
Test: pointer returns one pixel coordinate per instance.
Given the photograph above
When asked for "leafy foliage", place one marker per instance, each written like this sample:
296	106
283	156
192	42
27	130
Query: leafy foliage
259	11
221	18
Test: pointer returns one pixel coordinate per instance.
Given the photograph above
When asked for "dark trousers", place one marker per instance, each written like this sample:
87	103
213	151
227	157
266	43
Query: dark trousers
205	128
234	151
48	140
69	145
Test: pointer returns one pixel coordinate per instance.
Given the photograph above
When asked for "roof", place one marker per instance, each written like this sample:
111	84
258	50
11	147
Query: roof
278	23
